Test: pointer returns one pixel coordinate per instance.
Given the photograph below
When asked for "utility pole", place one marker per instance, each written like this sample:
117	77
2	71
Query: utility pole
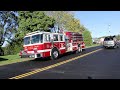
109	28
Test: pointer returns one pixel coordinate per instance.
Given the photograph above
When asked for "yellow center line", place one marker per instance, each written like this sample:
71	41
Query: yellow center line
52	66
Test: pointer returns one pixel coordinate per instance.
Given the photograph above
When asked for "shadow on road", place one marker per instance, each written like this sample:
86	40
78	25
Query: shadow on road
90	77
41	59
3	59
110	48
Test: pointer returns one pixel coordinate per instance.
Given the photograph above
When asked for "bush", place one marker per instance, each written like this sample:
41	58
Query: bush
87	38
13	48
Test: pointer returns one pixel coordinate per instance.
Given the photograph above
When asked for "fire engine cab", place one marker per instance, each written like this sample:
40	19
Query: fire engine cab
44	44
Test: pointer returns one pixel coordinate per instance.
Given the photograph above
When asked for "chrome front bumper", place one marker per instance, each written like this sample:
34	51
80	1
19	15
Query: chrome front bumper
31	55
108	45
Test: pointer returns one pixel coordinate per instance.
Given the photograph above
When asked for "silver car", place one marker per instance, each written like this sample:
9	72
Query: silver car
110	41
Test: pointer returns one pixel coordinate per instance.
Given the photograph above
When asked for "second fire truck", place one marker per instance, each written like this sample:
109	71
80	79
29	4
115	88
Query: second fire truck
47	44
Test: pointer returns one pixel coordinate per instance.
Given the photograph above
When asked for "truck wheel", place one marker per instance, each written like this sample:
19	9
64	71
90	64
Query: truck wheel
105	47
54	54
115	46
79	49
83	49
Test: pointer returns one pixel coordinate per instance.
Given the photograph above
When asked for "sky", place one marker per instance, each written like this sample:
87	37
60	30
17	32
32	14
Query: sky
100	23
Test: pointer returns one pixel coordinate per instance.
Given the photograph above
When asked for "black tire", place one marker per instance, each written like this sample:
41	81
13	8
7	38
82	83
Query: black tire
83	49
115	46
79	49
54	54
105	47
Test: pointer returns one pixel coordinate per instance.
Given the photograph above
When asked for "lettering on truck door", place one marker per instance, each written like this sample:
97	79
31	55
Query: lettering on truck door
56	41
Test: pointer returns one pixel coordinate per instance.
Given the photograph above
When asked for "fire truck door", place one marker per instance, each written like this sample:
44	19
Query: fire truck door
56	42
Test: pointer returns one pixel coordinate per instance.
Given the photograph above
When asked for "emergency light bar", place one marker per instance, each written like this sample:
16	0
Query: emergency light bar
33	32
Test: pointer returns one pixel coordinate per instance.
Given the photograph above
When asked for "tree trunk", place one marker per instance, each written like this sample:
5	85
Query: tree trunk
1	52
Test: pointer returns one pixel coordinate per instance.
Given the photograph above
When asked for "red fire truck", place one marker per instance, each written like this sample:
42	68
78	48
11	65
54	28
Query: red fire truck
46	44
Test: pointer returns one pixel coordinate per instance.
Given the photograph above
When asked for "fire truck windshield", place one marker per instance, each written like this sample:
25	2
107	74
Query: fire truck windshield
36	39
33	39
26	40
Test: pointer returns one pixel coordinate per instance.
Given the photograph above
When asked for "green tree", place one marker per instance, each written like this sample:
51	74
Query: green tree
87	37
30	21
118	37
8	26
73	25
65	20
13	47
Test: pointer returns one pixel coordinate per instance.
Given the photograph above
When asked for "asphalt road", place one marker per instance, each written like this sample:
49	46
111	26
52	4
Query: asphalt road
102	64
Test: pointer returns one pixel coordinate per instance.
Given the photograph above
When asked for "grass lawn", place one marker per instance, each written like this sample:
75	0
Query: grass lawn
93	45
9	59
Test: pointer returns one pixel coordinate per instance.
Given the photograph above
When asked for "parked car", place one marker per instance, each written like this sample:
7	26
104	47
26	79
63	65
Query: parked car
110	42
